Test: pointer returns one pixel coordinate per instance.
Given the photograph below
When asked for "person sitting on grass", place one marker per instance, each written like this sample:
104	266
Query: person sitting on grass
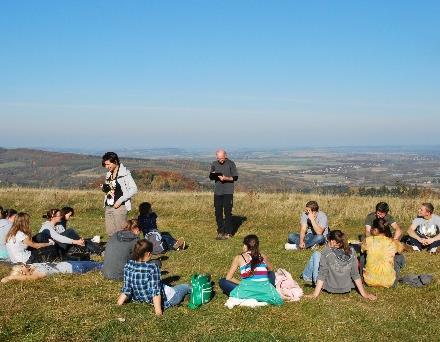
51	228
42	270
424	232
254	271
313	231
338	268
119	249
162	242
5	226
142	281
382	212
383	264
19	238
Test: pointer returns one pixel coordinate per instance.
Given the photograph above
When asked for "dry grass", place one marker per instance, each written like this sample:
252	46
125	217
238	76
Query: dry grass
83	307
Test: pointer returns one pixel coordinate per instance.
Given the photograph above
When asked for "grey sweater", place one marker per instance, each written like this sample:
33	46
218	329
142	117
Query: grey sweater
227	169
338	270
117	253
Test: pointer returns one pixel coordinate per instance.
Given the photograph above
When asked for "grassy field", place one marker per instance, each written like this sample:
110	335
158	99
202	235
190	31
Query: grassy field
82	307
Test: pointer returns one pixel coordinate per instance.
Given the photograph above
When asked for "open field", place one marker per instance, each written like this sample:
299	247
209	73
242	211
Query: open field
82	308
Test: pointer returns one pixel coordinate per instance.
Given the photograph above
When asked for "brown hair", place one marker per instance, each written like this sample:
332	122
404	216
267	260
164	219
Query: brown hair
341	239
252	243
131	224
140	248
428	206
382	227
312	205
21	224
51	214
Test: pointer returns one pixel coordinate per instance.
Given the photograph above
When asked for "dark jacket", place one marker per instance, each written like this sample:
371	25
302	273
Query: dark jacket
117	253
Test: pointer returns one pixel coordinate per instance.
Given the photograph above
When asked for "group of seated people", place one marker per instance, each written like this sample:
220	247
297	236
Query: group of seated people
129	258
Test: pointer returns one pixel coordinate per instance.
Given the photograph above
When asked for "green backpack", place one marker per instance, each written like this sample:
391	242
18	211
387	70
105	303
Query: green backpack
201	290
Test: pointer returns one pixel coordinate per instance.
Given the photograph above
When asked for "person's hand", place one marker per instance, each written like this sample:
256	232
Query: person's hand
370	296
310	296
302	245
158	313
222	178
79	242
116	205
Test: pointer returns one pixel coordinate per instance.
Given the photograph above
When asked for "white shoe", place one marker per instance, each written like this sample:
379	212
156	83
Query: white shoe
96	239
290	246
415	248
433	250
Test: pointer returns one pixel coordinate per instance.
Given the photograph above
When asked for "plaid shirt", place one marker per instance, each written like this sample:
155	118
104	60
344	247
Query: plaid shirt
142	281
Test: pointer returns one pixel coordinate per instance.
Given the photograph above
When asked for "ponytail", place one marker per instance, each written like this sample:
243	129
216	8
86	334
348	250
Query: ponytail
252	243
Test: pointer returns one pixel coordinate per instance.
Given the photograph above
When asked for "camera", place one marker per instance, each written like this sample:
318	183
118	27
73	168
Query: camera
106	188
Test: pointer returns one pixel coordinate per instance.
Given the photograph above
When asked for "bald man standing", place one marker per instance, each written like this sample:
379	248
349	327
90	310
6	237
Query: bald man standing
224	173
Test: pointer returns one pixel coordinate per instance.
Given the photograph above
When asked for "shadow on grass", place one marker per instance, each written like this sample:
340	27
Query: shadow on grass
237	221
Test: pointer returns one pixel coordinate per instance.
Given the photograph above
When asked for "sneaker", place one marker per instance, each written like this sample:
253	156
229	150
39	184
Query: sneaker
220	236
179	245
290	246
433	250
96	239
227	236
415	248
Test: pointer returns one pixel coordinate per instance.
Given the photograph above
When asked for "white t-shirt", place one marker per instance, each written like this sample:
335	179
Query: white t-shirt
17	249
427	228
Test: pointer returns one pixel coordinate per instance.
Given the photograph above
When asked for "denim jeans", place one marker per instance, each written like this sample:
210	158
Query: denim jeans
181	291
310	273
309	239
413	242
85	266
227	286
168	240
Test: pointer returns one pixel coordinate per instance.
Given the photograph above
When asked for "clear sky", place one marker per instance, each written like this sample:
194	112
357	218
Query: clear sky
131	74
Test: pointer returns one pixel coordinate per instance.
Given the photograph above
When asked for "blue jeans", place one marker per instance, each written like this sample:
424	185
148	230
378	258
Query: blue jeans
181	291
227	286
169	241
310	273
85	266
309	239
413	242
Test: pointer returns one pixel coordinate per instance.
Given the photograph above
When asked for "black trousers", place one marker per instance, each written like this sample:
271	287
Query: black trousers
223	213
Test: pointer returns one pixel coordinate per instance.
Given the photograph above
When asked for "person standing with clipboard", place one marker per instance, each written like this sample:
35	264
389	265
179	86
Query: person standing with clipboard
224	173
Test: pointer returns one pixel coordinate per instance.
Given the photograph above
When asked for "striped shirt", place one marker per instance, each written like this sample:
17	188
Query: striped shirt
260	272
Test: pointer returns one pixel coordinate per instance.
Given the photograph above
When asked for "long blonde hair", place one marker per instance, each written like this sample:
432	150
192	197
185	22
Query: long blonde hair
21	224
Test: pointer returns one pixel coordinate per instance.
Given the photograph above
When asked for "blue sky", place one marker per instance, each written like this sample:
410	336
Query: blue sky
112	74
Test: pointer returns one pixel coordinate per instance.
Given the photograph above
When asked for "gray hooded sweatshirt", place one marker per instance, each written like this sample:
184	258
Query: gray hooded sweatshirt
117	253
338	270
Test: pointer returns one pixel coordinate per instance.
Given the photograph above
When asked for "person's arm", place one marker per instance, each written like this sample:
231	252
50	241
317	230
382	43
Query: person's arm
318	288
33	276
234	265
432	240
122	299
397	231
413	234
63	239
28	242
157	303
316	227
367	230
130	187
302	234
365	294
267	262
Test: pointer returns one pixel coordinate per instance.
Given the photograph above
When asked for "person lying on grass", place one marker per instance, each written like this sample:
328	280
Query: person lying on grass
255	275
142	281
42	270
162	241
338	268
